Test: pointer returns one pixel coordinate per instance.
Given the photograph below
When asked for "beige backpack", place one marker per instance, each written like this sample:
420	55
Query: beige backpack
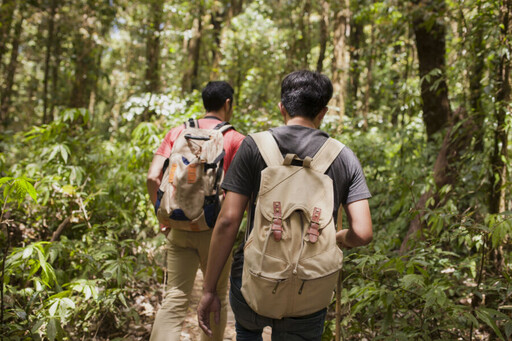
189	196
291	260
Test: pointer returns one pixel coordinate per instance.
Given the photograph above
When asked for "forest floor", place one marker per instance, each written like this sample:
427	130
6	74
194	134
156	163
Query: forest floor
191	330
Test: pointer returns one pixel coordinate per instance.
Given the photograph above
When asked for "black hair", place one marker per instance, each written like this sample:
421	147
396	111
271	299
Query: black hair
305	93
215	95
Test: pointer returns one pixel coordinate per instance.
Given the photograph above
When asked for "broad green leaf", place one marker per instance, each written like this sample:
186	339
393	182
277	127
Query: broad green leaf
36	326
122	299
51	329
53	308
508	329
5	180
64	152
69	189
27	252
62	294
409	281
38	285
486	316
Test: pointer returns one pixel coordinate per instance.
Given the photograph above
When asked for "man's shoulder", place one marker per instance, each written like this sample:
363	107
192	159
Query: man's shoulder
234	133
175	131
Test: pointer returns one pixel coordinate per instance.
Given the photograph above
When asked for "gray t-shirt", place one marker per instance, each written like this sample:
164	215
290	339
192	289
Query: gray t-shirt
244	173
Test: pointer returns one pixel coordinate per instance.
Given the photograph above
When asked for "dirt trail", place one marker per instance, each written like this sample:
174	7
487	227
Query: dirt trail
191	331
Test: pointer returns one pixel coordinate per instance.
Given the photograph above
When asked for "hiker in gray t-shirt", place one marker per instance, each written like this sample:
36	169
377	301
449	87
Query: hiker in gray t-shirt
304	96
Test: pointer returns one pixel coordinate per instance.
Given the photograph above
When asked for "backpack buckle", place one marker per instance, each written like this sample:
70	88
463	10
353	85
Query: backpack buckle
314	226
277	222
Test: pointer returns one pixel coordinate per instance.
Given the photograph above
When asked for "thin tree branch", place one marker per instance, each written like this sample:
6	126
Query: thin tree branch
59	230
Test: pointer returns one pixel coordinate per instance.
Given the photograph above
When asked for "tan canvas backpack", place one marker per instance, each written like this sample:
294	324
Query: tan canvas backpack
189	196
291	260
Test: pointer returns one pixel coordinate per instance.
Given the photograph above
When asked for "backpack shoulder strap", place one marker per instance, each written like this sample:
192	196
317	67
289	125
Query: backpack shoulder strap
268	148
326	155
223	127
192	123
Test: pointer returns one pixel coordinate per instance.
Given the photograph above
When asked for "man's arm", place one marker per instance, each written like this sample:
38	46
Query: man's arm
155	176
223	238
360	232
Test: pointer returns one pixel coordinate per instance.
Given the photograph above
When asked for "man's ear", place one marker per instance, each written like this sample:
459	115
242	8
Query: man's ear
227	105
228	110
283	111
318	119
322	113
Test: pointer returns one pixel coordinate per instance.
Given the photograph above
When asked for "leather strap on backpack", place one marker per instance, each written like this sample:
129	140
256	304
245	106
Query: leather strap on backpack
314	226
277	222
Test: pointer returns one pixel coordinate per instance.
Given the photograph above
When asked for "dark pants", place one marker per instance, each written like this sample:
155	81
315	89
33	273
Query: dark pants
249	325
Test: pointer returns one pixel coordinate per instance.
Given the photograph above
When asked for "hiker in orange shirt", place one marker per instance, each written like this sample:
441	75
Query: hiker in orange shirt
188	250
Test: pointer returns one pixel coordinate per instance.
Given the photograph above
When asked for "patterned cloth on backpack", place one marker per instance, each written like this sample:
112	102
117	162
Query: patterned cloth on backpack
189	196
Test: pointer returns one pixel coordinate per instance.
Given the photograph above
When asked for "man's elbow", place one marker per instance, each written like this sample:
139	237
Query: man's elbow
152	180
367	238
363	236
224	223
228	221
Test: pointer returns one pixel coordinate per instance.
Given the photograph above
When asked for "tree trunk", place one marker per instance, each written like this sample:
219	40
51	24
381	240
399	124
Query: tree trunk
6	14
302	46
477	46
356	37
324	35
49	43
217	17
55	73
86	54
430	44
152	77
94	84
409	62
499	158
193	49
235	9
196	51
369	83
455	144
431	48
5	101
340	60
84	71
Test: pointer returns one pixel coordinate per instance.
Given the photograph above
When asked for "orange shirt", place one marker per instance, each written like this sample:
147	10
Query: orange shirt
232	140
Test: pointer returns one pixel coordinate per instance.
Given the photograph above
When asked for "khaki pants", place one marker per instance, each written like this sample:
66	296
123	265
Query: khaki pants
186	251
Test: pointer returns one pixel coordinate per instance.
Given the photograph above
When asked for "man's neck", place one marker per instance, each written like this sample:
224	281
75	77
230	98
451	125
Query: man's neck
218	115
300	121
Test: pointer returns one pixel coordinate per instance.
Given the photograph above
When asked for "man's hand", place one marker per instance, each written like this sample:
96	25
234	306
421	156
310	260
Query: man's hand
209	303
340	239
164	229
223	238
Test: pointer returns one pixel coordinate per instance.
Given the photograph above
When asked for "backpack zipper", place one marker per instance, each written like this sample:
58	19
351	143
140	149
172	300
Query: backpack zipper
277	284
302	286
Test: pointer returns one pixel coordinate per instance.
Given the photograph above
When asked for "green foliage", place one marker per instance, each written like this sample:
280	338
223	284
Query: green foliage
79	239
65	288
16	189
426	293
